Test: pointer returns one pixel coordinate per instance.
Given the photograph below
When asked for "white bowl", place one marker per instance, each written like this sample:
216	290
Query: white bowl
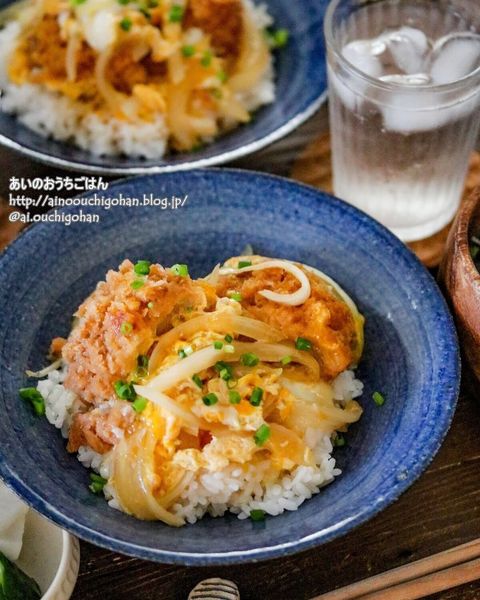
51	556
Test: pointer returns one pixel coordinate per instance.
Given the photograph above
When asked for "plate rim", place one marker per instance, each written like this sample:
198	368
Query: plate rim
450	379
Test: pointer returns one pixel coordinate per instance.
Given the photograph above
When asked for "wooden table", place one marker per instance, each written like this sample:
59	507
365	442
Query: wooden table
441	510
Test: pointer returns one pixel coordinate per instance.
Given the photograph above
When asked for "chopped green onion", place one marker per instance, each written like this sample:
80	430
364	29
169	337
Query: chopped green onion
222	76
142	360
216	93
257	514
249	359
286	360
97	483
224	370
142	267
278	38
206	60
339	441
231	383
123	2
237	296
152	3
126	25
256	396
378	398
229	349
228	338
35	398
124	390
146	13
218	345
180	270
176	13
303	344
186	351
262	434
137	284
234	397
77	2
210	399
150	305
139	404
196	379
126	328
244	263
188	51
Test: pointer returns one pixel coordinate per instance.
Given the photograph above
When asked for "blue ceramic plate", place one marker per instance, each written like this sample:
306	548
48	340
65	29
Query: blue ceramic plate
301	88
411	352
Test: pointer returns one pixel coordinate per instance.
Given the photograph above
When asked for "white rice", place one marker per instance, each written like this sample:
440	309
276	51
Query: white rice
52	115
236	488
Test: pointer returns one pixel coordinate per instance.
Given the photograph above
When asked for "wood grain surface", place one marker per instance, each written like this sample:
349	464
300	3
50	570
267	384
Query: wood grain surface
441	510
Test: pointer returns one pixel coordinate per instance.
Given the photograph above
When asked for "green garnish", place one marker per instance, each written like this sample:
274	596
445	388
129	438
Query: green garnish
286	360
378	398
142	366
237	296
137	284
303	344
186	351
256	396
257	515
222	76
123	2
150	305
125	390
146	13
229	349
339	441
139	404
188	51
249	359
126	328
142	267
206	59
262	434
231	383
180	270
35	398
77	2
234	397
224	370
176	13
218	345
152	3
228	338
244	263
210	399
196	379
126	25
97	483
278	38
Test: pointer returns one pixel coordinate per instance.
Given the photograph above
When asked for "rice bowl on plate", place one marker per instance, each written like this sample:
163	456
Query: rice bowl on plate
410	356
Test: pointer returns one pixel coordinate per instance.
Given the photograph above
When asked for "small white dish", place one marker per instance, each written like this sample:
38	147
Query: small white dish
51	556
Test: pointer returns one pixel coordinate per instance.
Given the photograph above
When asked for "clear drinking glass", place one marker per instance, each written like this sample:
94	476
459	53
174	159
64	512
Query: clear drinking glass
404	98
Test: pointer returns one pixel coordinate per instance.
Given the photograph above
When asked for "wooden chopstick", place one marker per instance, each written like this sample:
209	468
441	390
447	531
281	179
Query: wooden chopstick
421	578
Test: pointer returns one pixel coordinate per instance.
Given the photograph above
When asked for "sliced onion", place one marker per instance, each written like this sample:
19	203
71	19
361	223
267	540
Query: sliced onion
221	322
157	397
132	458
43	372
296	298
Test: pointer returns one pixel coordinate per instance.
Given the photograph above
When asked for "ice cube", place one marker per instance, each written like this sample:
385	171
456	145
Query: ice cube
408	48
362	54
455	56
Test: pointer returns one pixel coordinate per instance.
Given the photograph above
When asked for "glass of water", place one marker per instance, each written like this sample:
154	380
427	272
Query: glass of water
404	98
